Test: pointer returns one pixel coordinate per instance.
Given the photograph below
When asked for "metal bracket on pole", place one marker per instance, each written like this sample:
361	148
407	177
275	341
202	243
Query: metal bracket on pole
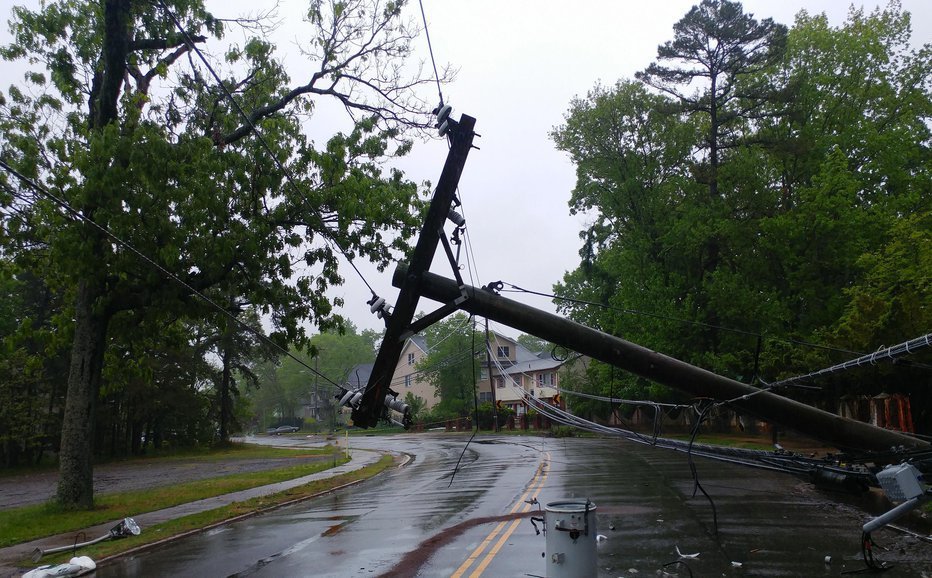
432	317
372	407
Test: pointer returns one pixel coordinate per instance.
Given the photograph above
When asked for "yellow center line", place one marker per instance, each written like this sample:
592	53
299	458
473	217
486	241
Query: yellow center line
539	477
514	525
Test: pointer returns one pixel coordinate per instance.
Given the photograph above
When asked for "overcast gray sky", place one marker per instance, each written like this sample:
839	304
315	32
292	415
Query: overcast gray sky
520	63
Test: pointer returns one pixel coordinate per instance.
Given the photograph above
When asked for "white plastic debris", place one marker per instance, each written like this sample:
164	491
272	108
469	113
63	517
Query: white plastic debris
601	538
736	564
689	556
77	566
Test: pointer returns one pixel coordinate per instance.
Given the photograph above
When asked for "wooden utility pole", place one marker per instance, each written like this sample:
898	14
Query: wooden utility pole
372	405
488	362
841	432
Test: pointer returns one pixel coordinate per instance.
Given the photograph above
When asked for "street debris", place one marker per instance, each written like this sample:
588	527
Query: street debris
77	566
688	556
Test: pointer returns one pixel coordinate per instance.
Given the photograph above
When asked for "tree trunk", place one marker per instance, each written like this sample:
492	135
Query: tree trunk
76	476
76	482
225	401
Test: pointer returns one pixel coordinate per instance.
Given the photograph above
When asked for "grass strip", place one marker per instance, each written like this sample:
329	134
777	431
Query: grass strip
204	520
27	523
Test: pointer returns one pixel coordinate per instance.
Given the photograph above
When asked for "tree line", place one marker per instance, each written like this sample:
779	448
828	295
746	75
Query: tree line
759	202
164	207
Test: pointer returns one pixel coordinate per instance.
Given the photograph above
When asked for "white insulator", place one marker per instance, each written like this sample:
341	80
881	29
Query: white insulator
346	397
396	404
355	401
444	113
377	305
444	127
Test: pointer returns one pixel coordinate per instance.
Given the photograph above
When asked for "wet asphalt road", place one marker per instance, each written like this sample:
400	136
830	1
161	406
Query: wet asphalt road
771	524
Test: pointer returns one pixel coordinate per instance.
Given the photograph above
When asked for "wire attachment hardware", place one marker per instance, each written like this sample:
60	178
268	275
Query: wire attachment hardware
495	287
378	306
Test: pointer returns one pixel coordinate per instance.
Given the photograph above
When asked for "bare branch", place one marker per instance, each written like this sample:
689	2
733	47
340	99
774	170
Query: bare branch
361	47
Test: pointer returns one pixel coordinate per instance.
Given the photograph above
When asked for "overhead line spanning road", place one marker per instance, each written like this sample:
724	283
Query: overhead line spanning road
412	522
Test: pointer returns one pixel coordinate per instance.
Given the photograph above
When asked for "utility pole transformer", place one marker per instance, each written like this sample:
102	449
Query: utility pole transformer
842	432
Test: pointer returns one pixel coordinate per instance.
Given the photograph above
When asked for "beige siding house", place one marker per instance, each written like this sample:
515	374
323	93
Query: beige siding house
516	371
407	378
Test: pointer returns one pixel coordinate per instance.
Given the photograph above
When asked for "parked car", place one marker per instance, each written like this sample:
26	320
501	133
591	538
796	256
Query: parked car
281	429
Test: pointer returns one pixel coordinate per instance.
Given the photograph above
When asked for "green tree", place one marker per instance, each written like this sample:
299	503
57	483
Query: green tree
145	146
718	43
416	403
451	365
332	353
851	167
240	346
810	231
534	344
639	254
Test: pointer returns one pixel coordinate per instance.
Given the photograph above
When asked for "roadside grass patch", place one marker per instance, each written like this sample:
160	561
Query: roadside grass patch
31	522
203	520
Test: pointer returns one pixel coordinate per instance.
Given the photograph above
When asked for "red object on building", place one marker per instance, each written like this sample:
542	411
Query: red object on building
892	411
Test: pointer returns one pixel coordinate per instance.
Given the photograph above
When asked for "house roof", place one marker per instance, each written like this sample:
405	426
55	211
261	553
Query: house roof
358	376
419	341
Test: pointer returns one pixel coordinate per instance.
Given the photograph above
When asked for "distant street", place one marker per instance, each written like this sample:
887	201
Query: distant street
768	524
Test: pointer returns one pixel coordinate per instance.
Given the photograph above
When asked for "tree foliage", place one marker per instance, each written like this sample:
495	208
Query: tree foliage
286	384
805	222
451	365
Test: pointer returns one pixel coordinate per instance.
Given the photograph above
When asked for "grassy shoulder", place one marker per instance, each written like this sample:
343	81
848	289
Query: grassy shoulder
27	523
204	520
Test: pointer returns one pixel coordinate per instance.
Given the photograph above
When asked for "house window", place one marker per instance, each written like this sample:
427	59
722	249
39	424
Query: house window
545	379
499	382
517	379
485	396
407	381
483	375
410	359
503	351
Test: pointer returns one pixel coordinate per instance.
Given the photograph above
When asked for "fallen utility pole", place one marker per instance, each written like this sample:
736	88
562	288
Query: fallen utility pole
842	432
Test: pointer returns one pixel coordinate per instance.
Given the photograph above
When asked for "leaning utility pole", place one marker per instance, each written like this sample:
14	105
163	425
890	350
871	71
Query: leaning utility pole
398	322
843	433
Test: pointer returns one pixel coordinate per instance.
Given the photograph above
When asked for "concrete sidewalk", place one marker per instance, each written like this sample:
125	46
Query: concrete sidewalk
12	555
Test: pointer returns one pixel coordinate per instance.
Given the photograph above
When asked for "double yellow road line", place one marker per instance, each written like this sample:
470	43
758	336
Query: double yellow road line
533	490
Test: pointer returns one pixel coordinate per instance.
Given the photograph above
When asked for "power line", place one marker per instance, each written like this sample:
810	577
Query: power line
430	48
905	348
78	215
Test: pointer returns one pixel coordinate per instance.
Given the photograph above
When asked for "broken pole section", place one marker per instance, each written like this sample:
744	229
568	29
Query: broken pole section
842	432
372	405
